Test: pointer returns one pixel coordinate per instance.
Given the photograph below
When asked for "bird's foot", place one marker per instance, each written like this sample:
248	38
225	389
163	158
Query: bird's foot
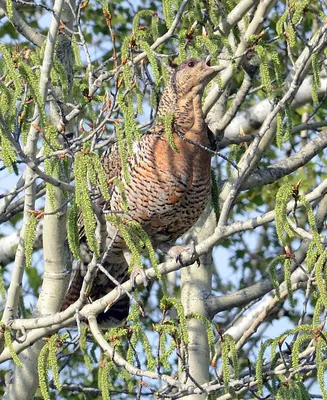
139	271
177	251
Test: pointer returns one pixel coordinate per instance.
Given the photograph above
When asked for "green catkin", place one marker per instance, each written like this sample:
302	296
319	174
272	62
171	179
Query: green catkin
2	285
122	152
273	273
52	360
264	69
259	365
283	228
29	239
316	83
32	79
7	153
279	130
9	9
296	351
77	54
281	22
12	71
167	9
320	264
104	379
168	123
83	200
287	277
317	313
101	180
152	60
43	372
72	231
9	345
83	346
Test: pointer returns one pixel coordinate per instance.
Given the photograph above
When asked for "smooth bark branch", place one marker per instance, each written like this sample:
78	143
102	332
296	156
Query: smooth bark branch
24	381
285	167
250	119
227	75
107	75
22	27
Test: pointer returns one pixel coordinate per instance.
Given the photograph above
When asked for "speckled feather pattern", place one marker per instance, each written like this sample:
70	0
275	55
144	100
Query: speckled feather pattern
167	190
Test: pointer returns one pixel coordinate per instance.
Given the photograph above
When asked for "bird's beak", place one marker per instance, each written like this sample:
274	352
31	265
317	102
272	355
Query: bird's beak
213	68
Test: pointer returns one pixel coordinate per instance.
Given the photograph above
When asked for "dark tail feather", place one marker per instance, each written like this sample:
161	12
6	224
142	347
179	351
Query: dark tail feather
118	312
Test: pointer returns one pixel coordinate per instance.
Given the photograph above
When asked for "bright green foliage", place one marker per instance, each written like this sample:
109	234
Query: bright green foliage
77	54
127	71
259	365
320	264
134	244
168	123
83	347
122	152
228	351
9	9
169	302
296	348
10	347
299	8
137	231
273	273
99	176
277	66
138	335
283	228
52	359
12	72
103	378
281	22
279	130
210	335
264	69
48	360
83	201
7	153
43	372
29	239
32	78
168	329
143	14
51	164
72	231
167	9
316	83
152	59
59	77
2	286
317	312
312	223
130	128
287	277
155	26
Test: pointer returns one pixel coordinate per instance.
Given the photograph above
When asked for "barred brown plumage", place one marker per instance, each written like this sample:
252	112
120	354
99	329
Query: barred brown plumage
167	190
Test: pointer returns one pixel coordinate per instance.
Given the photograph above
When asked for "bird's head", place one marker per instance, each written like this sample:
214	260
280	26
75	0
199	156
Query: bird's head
192	76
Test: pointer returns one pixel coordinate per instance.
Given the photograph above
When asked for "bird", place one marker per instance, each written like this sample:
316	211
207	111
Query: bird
167	190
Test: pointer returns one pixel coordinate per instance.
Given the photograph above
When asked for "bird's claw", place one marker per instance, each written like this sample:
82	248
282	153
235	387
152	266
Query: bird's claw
177	253
142	273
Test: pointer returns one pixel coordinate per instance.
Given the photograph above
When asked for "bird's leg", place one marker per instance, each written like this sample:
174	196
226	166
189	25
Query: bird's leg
176	252
135	271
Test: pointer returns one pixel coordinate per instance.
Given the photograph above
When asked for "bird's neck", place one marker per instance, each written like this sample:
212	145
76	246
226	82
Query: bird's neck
187	110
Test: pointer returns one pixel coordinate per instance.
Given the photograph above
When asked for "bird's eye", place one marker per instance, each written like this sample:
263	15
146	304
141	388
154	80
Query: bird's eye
191	64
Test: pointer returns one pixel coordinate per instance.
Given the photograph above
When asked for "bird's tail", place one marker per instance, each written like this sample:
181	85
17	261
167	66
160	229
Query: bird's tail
101	286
